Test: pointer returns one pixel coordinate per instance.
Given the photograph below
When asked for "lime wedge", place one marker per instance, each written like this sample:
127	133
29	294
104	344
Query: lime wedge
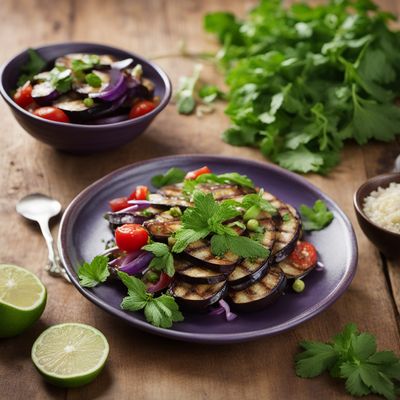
22	299
70	355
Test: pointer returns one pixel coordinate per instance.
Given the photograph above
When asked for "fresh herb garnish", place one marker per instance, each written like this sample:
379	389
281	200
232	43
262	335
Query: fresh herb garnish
207	217
185	95
90	275
352	356
93	80
317	217
160	311
234	178
173	175
302	80
163	259
80	65
61	79
210	93
257	201
34	65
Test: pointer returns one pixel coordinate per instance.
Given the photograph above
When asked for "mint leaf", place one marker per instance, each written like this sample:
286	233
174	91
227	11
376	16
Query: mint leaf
256	199
173	175
317	217
186	236
90	275
33	66
133	284
240	245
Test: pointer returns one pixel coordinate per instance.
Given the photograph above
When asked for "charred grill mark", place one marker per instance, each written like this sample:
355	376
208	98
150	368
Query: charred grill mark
196	292
202	251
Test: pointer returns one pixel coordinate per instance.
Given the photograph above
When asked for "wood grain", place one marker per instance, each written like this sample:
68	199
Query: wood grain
143	366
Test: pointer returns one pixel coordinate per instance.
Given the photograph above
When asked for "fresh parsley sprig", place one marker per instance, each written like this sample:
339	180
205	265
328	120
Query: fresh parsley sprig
352	356
95	272
317	217
207	217
160	311
163	259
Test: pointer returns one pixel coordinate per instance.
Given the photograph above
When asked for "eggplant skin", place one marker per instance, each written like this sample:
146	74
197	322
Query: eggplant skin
197	298
195	274
293	271
248	280
260	294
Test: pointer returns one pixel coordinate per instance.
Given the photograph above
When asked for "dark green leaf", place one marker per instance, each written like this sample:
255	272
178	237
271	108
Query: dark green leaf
96	272
172	176
317	217
33	66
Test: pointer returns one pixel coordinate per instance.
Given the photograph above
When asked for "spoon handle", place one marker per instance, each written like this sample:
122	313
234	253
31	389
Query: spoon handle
54	266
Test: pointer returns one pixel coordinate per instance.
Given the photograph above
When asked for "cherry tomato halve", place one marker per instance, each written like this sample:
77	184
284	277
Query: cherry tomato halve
161	284
51	113
304	255
118	204
196	173
23	95
131	237
140	193
140	108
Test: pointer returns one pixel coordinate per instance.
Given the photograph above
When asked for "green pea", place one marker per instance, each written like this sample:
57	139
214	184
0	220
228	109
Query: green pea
88	102
252	213
252	225
175	211
298	285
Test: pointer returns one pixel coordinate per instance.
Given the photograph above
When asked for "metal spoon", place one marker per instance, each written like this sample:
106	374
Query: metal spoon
40	208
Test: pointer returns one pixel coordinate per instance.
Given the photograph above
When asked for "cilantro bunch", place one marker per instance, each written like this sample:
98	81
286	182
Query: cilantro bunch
305	79
352	356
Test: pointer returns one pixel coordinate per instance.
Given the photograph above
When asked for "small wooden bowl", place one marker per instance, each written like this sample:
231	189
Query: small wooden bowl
386	241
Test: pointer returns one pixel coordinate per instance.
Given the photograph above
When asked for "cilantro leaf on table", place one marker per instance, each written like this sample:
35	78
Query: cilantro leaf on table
34	65
173	175
210	93
91	274
353	357
290	86
160	311
317	217
185	94
163	259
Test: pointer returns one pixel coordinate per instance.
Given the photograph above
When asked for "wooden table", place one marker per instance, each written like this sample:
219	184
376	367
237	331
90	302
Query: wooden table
142	366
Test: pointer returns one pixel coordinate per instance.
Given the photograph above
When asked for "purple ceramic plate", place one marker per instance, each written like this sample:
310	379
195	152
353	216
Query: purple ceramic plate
83	232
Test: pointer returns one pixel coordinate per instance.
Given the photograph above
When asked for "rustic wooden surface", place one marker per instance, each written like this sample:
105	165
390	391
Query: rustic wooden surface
142	366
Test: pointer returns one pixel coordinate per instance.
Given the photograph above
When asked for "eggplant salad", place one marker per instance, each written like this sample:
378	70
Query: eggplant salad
203	243
85	88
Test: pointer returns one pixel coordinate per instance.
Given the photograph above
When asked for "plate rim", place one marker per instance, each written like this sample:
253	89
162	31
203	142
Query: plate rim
215	338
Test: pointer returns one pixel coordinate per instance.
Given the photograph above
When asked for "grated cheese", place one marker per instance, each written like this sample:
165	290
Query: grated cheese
382	207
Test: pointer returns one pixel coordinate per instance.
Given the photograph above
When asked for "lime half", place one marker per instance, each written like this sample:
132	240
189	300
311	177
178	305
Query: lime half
22	299
70	355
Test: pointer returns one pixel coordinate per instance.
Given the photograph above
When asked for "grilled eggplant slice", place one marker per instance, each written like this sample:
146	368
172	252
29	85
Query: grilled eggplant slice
193	273
200	252
248	271
224	191
117	219
163	225
288	229
85	88
160	200
197	297
105	60
293	270
260	294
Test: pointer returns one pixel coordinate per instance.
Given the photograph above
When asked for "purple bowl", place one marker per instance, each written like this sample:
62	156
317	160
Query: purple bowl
79	138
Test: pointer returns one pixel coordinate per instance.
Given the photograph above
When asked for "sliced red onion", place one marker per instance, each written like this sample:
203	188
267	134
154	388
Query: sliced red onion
135	207
122	64
115	89
111	250
140	203
230	316
320	266
161	284
138	264
217	311
129	257
114	263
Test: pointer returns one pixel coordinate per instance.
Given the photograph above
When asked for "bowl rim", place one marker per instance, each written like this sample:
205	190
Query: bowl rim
163	103
359	208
